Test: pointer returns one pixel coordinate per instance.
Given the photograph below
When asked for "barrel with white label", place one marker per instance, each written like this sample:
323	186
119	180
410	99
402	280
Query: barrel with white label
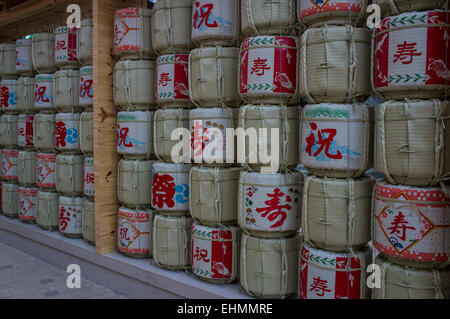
135	232
412	141
411	224
27	197
66	47
8	130
67	90
84	42
69	174
67	132
44	93
47	211
410	58
171	26
134	183
170	188
44	132
71	216
165	122
10	199
26	170
133	85
212	77
333	275
337	139
86	90
24	62
214	195
25	94
335	64
8	95
172	241
172	81
132	36
89	221
135	134
394	7
88	176
87	133
43	52
46	171
25	138
269	267
9	164
8	60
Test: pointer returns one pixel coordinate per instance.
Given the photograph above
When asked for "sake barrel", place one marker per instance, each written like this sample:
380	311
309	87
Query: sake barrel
25	95
66	47
84	42
135	232
71	216
10	199
333	275
135	134
337	139
268	70
336	213
8	130
171	26
9	164
404	282
215	22
335	12
269	204
44	132
67	90
8	60
24	62
67	132
410	56
271	119
25	137
172	241
87	132
170	188
46	170
132	36
411	224
88	226
69	174
26	171
165	122
133	83
88	176
43	52
214	192
47	211
8	95
172	84
134	183
212	76
412	141
260	17
326	76
269	267
86	97
27	197
215	253
395	7
44	93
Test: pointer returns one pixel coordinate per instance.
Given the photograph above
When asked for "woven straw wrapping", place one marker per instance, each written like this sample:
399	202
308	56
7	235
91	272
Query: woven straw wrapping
286	120
87	133
43	52
212	77
69	174
213	195
336	212
269	267
26	168
412	141
133	85
67	90
25	95
27	197
135	232
404	282
44	132
394	7
172	241
86	91
24	62
46	171
9	164
165	122
135	134
8	60
47	213
215	253
171	26
9	95
260	17
71	216
84	42
350	150
89	221
67	127
134	183
88	177
44	93
335	64
10	199
8	130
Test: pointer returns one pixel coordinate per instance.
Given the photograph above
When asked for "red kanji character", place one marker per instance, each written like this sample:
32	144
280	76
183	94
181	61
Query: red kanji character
60	134
201	254
164	79
275	209
89	178
61	45
260	66
4	96
198	139
399	226
406	52
39	94
205	12
86	88
124	234
319	286
163	190
324	142
63	220
122	137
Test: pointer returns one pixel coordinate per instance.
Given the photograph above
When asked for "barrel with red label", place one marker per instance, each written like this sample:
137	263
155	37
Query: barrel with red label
44	132
172	82
9	164
135	134
135	232
27	204
8	130
69	174
67	87
134	183
25	138
45	171
10	199
25	95
67	132
71	216
47	211
26	168
86	90
8	95
43	93
8	60
24	62
88	177
66	47
43	52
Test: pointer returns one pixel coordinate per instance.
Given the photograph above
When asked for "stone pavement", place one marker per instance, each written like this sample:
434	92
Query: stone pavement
23	276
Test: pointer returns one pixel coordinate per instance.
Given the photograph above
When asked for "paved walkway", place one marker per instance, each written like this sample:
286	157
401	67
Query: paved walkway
23	276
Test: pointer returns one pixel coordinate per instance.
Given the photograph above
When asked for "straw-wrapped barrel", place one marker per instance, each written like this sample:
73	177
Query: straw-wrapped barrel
67	132
26	168
135	232
84	42
86	90
8	60
87	133
47	211
88	177
43	52
134	183
89	221
44	132
69	174
46	171
9	130
66	47
10	199
25	95
9	164
67	90
395	7
8	97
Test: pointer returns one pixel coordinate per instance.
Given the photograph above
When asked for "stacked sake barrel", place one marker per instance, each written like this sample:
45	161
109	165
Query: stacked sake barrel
336	149
134	97
269	194
412	146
